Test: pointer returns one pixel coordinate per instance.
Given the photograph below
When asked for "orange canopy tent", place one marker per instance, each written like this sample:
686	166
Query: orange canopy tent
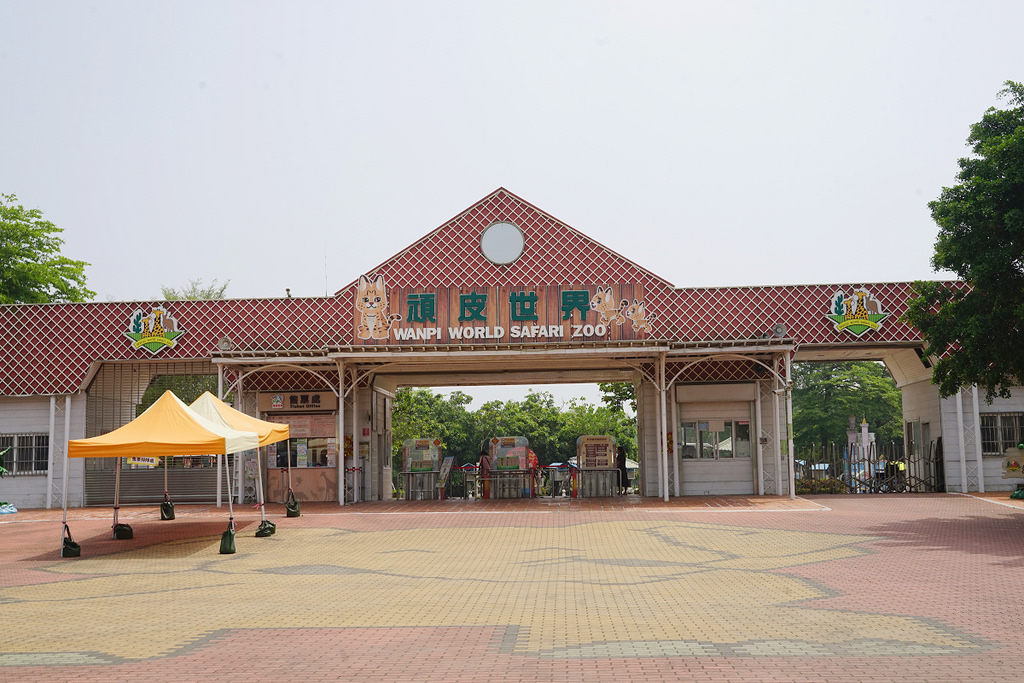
167	428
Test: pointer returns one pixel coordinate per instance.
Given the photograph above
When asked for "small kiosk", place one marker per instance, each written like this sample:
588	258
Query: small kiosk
509	474
595	456
421	459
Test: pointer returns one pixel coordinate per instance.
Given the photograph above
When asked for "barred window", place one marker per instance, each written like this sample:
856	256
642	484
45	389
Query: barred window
25	453
1000	431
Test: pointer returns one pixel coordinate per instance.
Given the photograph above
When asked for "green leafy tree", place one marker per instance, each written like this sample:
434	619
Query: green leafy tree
195	290
825	395
615	394
32	270
420	414
977	331
582	419
535	417
552	431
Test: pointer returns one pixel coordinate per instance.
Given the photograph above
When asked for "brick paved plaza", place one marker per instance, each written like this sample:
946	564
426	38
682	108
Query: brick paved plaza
856	588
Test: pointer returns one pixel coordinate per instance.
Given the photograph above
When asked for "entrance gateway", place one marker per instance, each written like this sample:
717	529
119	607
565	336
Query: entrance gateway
502	293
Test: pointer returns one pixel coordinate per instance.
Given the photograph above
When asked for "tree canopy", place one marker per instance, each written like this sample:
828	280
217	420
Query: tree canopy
826	395
977	331
195	290
615	394
32	269
551	430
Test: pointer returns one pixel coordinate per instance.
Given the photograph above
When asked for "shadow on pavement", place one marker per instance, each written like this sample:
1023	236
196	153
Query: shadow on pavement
1000	537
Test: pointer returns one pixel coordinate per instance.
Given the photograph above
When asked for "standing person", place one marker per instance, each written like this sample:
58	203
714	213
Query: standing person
620	463
485	473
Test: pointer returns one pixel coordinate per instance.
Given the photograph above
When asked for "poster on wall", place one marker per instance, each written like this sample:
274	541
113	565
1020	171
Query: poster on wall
332	452
1013	462
252	464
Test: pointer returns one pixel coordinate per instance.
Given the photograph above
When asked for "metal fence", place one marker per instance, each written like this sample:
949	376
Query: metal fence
876	468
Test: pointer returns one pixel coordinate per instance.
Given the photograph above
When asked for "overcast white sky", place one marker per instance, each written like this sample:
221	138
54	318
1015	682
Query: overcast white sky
298	144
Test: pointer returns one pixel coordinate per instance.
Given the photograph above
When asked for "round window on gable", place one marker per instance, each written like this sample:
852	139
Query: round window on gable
502	243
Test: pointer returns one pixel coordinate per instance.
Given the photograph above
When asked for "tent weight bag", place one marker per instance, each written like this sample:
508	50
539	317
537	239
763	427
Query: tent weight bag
266	528
123	532
292	505
69	548
166	509
227	541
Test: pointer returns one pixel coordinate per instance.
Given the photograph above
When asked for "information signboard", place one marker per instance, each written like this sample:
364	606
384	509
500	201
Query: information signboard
421	455
595	452
510	452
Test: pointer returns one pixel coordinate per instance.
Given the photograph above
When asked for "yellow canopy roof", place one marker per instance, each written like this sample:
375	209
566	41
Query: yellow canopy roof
211	407
167	428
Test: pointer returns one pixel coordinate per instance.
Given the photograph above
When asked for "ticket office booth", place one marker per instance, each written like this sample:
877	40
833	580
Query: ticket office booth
716	428
311	452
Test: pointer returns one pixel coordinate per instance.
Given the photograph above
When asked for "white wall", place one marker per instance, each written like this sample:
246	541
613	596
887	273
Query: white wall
921	402
31	415
992	466
76	469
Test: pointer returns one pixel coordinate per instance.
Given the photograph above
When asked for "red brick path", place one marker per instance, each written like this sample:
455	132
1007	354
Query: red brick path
852	588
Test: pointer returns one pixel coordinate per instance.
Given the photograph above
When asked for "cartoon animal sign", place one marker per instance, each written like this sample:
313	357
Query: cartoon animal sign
642	320
603	302
372	306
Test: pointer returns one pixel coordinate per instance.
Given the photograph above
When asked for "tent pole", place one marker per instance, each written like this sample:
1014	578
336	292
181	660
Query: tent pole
220	469
117	492
259	486
231	510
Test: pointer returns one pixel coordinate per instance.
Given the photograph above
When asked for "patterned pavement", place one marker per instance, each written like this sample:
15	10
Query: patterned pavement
857	588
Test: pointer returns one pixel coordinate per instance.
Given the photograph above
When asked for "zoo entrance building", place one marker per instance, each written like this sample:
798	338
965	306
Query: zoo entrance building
502	293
